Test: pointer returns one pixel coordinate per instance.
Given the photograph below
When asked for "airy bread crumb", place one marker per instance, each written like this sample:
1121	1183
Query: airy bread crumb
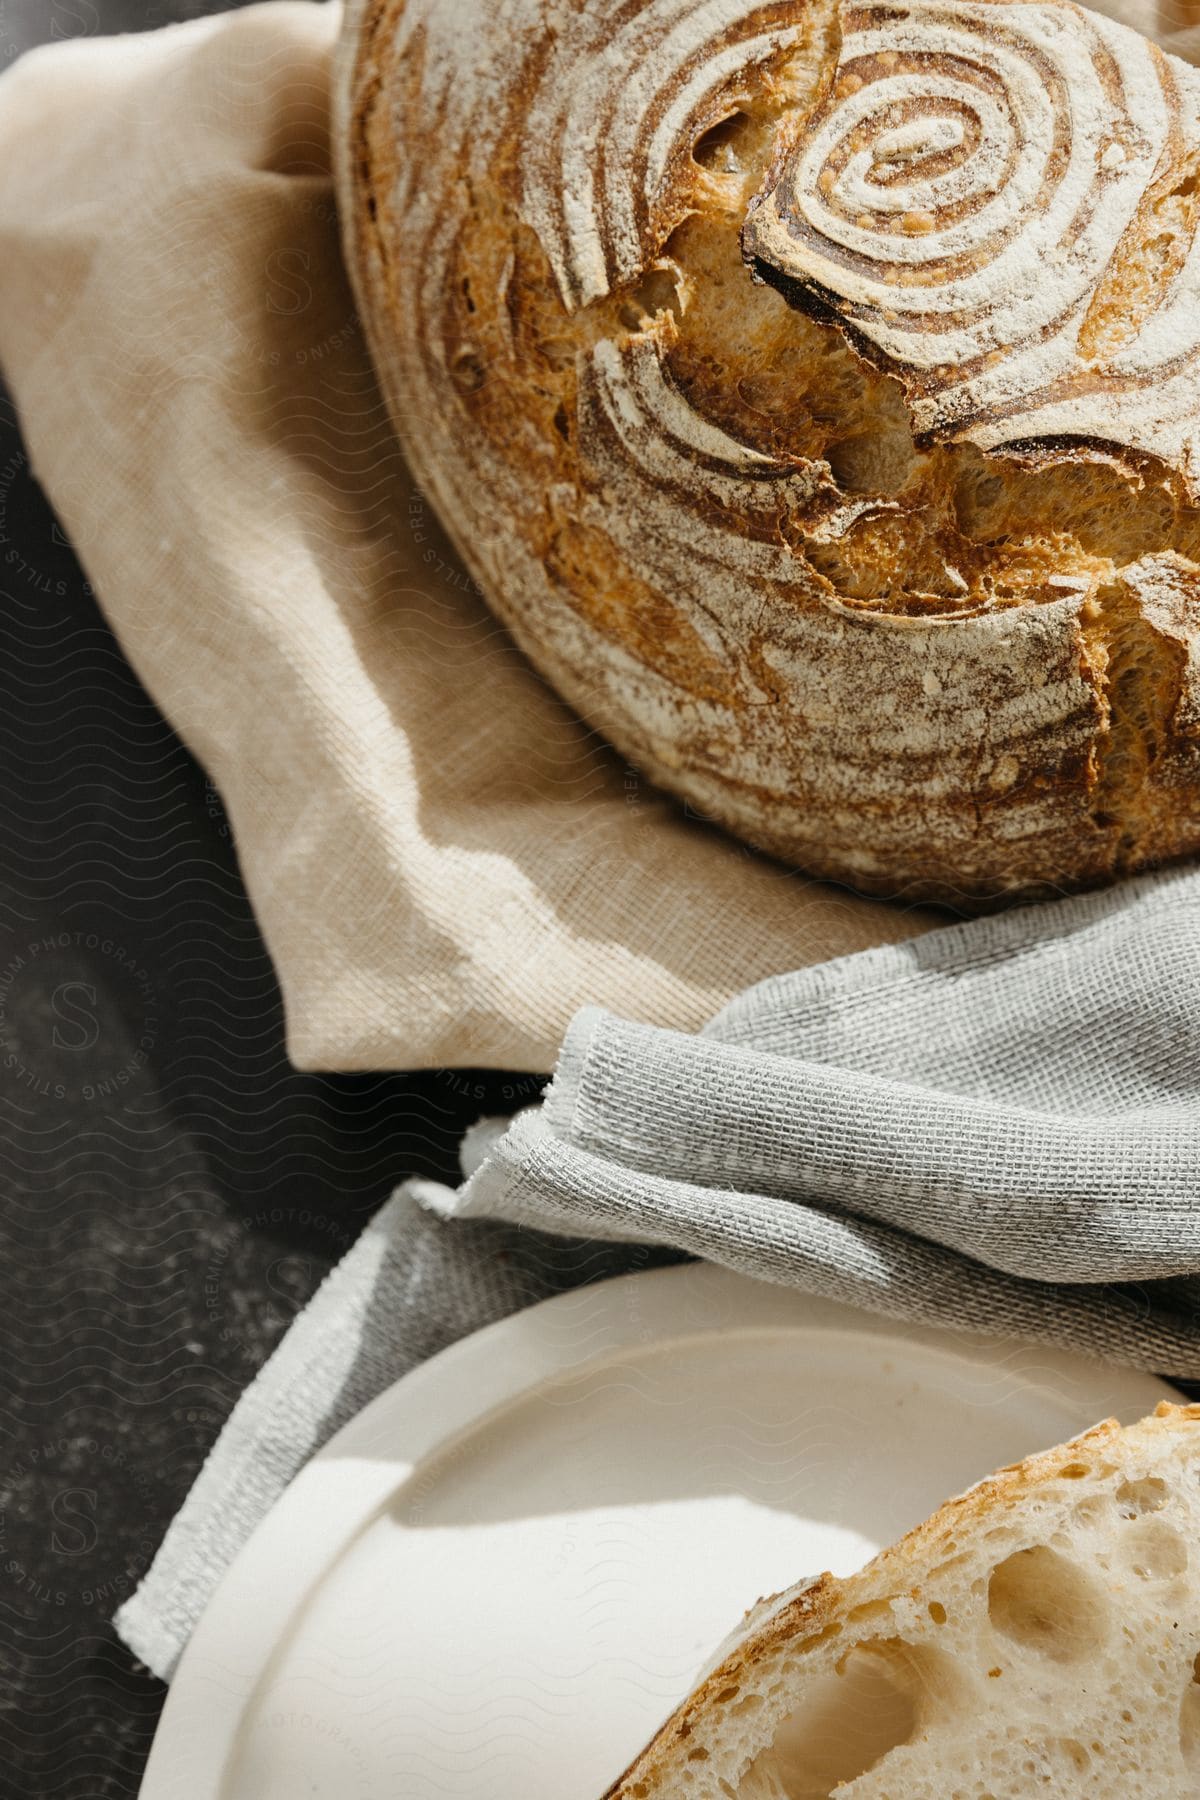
1039	1634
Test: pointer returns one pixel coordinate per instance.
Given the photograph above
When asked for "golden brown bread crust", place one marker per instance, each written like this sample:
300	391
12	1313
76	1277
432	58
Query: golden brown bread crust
811	1614
927	671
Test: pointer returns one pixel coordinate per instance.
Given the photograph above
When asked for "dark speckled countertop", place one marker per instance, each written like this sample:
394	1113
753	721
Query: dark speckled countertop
171	1191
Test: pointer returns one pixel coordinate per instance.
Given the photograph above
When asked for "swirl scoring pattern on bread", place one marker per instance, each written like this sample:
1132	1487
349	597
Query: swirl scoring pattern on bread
709	507
964	197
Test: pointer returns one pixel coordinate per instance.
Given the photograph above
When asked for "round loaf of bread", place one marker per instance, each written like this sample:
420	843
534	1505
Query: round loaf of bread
814	392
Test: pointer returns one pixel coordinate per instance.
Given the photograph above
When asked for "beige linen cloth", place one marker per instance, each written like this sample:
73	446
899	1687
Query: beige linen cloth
445	863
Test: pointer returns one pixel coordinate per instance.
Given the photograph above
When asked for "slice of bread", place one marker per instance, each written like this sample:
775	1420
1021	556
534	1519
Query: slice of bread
1040	1634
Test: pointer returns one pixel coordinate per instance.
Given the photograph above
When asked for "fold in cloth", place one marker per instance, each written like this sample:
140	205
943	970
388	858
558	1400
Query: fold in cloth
994	1129
990	1128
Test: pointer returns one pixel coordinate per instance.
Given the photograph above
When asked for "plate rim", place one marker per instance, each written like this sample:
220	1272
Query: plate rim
345	1483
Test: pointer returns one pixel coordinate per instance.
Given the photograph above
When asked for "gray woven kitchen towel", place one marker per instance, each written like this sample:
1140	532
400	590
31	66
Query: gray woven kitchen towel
995	1127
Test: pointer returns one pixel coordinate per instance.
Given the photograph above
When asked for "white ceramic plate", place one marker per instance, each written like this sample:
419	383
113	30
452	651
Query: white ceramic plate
500	1578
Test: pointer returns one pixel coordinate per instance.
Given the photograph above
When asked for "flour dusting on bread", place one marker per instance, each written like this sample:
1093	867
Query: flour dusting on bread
993	197
898	647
